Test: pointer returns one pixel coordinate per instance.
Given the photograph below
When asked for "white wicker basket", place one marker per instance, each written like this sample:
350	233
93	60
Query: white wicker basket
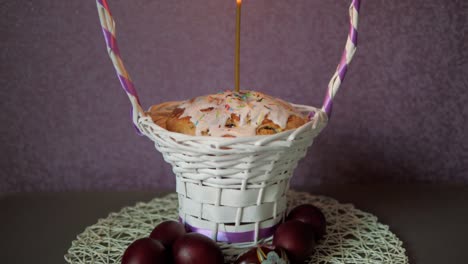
231	189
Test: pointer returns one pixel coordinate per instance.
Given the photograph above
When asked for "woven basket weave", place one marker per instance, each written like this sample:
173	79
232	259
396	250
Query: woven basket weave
226	187
232	190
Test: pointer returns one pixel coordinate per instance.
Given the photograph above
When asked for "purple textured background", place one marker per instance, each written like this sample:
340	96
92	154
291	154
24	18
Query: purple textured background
401	115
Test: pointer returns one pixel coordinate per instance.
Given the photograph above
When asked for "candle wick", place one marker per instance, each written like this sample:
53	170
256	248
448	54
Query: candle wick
237	51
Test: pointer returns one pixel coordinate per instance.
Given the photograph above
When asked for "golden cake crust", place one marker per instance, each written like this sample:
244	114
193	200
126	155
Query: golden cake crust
174	117
161	112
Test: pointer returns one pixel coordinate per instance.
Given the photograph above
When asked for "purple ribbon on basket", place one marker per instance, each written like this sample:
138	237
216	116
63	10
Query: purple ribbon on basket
232	237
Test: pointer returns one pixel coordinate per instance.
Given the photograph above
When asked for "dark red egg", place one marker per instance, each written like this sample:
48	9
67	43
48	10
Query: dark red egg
194	248
312	215
259	254
146	251
168	232
297	238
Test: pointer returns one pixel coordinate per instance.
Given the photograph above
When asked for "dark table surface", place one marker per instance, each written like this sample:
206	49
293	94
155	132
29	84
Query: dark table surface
431	220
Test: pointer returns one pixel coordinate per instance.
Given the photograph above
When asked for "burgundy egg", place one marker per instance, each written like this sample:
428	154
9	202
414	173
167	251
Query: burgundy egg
146	251
259	254
193	248
297	238
168	232
312	215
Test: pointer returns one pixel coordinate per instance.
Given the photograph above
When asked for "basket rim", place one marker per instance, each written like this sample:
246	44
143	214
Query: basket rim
319	120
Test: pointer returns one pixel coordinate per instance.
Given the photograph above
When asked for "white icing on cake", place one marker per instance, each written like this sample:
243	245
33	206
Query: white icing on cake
210	113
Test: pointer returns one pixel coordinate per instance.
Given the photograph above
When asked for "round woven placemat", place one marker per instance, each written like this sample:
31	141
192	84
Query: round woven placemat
353	236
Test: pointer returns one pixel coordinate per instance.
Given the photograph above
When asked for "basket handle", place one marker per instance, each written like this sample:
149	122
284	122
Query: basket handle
108	29
348	54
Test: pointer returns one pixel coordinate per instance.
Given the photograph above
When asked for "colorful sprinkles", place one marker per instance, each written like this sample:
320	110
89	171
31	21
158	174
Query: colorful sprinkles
250	107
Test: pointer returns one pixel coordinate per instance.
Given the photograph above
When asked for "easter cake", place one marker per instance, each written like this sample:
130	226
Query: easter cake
228	114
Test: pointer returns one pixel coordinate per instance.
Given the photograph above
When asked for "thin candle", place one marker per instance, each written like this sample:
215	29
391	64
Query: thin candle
237	52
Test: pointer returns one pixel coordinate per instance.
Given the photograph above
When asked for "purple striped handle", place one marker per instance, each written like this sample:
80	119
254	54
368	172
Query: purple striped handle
346	58
108	29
